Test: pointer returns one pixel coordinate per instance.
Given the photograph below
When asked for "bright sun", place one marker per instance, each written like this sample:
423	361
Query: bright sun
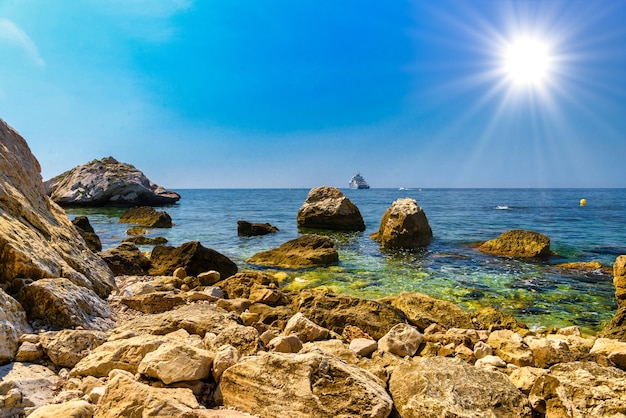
527	61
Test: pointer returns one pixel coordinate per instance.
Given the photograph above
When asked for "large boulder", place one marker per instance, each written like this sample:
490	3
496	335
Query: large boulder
37	240
126	259
580	389
59	303
335	311
193	257
176	361
519	243
12	325
255	286
423	310
107	182
25	387
327	208
146	216
303	385
306	251
446	387
404	225
67	347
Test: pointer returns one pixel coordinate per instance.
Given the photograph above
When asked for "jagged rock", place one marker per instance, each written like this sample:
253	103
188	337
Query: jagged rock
285	344
511	348
78	408
327	208
146	216
25	387
445	387
107	182
193	257
303	385
59	304
125	397
255	286
245	339
305	329
493	319
547	352
247	229
612	349
126	259
29	352
403	225
423	310
176	362
225	356
524	378
87	232
37	240
519	243
619	280
580	389
67	347
401	340
306	251
12	325
363	346
616	328
335	311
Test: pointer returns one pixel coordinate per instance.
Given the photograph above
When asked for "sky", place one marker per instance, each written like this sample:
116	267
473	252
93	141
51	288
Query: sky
291	94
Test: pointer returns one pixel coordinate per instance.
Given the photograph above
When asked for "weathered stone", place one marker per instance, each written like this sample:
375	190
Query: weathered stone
136	230
125	397
225	356
124	354
247	229
126	259
153	302
176	362
306	251
616	328
255	286
619	280
72	409
350	332
519	243
25	387
209	278
146	216
67	347
612	349
305	329
86	231
245	339
492	319
141	240
525	377
547	352
334	312
275	317
482	349
194	318
193	257
401	340
29	352
37	240
285	344
445	387
511	348
328	208
363	347
12	325
59	304
404	225
580	389
490	361
107	182
423	310
303	385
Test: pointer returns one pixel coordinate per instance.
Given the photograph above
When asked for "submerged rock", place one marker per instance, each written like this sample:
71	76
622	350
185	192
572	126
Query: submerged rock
308	250
248	229
423	310
519	243
327	208
146	216
404	225
107	182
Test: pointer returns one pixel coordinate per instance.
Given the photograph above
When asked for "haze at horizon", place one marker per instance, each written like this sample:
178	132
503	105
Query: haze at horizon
279	94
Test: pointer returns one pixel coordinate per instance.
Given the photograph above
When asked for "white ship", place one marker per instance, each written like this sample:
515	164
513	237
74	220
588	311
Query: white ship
358	182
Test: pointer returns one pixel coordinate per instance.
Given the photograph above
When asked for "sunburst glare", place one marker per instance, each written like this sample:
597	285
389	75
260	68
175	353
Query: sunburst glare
526	61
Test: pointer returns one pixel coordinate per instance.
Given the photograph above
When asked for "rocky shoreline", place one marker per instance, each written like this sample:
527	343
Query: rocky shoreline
185	333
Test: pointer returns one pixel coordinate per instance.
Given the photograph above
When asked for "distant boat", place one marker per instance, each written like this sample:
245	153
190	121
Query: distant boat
358	182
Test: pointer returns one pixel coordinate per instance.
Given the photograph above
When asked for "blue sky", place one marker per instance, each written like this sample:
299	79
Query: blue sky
207	93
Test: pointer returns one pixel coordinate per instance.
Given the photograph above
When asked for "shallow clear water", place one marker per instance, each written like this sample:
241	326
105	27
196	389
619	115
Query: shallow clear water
449	268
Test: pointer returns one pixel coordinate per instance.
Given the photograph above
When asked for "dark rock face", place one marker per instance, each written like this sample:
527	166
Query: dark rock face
141	240
126	259
256	286
519	243
247	229
87	232
191	256
335	311
404	225
146	216
107	182
308	250
327	208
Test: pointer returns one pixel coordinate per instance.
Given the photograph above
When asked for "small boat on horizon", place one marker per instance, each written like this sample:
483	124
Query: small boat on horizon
358	182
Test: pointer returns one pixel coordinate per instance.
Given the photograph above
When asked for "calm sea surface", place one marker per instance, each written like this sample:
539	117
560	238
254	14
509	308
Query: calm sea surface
449	268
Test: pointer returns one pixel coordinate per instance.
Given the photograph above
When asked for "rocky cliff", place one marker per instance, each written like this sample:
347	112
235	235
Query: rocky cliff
107	182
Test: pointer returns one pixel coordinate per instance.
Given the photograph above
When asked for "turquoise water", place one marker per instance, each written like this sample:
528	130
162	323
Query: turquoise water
449	268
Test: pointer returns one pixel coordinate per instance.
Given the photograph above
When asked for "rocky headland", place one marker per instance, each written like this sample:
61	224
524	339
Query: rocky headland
185	333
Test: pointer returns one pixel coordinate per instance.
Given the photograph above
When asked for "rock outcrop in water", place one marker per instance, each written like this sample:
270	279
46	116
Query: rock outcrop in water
327	208
404	225
519	243
107	182
307	250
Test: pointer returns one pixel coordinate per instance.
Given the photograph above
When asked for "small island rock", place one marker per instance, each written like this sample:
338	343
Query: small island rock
519	243
404	225
107	182
247	229
308	250
146	216
327	208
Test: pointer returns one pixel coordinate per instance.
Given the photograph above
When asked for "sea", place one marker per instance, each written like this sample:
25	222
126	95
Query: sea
450	268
